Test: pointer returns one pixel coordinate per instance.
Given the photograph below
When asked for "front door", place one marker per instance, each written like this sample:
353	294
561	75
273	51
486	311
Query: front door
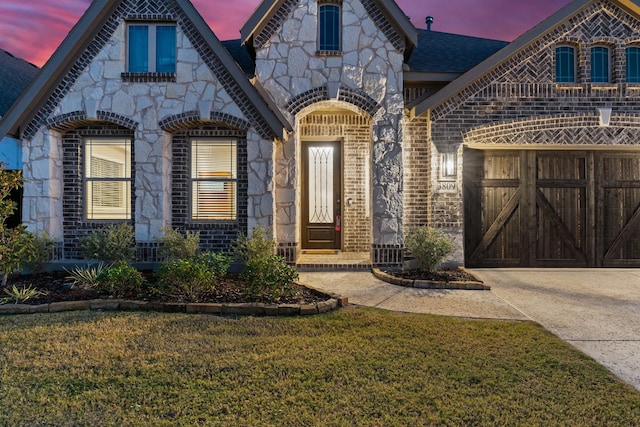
322	195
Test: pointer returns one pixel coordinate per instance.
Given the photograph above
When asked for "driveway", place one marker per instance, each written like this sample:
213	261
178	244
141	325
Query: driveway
596	310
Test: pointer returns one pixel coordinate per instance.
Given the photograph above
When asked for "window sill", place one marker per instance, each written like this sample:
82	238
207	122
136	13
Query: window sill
148	77
568	86
328	53
603	86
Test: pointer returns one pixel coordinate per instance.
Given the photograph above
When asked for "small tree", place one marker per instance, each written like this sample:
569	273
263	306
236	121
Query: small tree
428	246
16	244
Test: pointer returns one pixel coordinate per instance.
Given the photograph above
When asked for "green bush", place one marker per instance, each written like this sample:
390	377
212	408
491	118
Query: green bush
192	279
259	245
111	244
428	246
269	276
87	276
175	245
42	252
16	244
120	280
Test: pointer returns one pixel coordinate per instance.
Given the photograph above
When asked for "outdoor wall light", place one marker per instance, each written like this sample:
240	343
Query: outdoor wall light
449	165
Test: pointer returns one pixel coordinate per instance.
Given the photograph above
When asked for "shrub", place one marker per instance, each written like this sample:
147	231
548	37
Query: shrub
429	246
259	245
269	276
192	279
18	296
120	280
111	244
16	244
87	276
175	245
42	252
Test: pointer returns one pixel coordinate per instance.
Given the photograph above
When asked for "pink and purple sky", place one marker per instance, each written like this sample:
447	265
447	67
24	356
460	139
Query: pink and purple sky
33	29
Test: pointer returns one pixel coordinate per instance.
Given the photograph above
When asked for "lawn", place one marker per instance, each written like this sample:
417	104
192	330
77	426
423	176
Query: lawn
352	367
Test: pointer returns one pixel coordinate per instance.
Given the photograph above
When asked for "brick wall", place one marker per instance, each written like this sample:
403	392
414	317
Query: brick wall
215	236
75	226
518	103
355	131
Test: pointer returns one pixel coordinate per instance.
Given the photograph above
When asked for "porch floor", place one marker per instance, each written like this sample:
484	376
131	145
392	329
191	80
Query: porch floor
337	261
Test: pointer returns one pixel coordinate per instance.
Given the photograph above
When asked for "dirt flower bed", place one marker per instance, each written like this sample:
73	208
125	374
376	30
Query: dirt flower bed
57	287
447	275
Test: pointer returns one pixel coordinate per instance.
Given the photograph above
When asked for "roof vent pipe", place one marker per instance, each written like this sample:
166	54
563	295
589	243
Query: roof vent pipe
429	21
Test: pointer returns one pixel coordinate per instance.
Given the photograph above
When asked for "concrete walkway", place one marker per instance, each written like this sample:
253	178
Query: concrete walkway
596	310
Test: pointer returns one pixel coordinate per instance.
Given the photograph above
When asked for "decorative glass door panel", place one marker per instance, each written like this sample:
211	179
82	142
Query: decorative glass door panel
321	228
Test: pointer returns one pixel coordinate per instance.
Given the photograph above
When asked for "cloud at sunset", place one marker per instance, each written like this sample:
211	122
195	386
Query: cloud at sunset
33	30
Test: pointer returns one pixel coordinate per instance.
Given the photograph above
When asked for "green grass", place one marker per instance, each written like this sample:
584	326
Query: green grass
352	367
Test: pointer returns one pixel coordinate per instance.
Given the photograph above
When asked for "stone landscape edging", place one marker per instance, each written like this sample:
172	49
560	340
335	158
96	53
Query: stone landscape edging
431	284
245	309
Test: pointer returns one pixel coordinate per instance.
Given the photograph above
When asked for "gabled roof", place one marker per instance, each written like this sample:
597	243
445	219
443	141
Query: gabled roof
268	8
15	76
82	34
511	49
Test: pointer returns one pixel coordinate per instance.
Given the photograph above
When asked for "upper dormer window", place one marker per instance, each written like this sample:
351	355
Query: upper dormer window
565	64
633	64
329	27
600	65
152	48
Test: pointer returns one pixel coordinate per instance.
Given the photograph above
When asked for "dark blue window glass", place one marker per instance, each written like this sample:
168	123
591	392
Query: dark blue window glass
166	49
633	64
329	31
565	64
138	48
599	64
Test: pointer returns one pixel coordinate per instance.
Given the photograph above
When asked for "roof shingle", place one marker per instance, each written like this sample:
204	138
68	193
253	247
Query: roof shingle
15	76
450	53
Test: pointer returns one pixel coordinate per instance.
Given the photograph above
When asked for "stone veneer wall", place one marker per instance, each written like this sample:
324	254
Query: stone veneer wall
519	104
97	88
369	68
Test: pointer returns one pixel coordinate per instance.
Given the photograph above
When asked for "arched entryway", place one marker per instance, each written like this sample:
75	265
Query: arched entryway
334	152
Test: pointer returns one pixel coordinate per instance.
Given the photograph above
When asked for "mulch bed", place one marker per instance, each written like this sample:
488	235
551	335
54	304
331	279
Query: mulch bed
447	275
230	290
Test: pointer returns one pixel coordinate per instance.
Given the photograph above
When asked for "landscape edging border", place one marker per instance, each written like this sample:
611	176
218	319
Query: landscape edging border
245	309
431	284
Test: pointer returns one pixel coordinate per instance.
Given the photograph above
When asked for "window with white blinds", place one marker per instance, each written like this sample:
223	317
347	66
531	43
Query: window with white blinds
213	179
107	179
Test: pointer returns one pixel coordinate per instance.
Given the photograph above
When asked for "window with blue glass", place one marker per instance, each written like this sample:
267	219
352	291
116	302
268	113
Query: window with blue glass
600	65
633	64
152	48
329	30
565	64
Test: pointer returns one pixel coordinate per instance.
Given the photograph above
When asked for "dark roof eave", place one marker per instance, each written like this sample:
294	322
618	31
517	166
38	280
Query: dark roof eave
278	127
32	97
502	55
266	8
81	35
428	77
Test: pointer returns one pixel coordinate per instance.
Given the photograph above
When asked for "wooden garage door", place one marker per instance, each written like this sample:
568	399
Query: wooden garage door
552	208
